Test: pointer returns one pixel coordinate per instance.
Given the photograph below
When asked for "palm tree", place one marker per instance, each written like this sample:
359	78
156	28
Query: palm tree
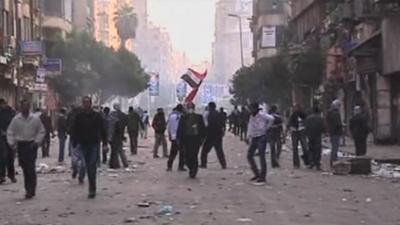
126	22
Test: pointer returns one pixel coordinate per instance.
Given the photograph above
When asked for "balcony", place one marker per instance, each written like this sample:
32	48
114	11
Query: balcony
57	23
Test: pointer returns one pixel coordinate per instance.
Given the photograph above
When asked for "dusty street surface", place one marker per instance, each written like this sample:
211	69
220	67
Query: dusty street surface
217	197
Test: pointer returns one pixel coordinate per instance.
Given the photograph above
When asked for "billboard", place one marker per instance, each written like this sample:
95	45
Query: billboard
181	91
268	37
154	85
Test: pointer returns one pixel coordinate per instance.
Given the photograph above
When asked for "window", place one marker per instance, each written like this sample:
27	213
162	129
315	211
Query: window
27	29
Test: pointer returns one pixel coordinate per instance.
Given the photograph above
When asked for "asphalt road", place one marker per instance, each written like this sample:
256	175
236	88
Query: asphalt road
217	197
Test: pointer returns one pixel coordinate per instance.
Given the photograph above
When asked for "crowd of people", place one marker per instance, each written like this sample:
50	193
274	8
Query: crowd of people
97	135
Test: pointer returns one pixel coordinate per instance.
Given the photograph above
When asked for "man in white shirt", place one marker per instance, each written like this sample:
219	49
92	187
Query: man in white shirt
259	123
172	127
24	134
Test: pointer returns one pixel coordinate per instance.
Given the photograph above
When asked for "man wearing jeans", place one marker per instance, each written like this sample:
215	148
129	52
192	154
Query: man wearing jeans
7	155
88	130
176	147
259	123
335	129
24	134
297	128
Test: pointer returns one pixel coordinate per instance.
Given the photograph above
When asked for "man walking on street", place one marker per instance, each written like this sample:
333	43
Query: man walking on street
24	134
335	129
214	136
7	155
244	117
134	124
191	132
146	124
107	121
62	134
88	131
159	125
359	127
176	147
259	123
116	136
274	135
297	128
315	127
48	126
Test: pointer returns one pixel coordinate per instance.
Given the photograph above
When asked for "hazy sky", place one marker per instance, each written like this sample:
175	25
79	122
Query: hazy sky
190	24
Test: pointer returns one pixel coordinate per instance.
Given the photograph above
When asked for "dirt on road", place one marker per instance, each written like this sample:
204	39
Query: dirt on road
147	194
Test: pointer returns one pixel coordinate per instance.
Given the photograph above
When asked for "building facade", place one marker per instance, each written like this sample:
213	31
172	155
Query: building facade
267	24
20	23
226	56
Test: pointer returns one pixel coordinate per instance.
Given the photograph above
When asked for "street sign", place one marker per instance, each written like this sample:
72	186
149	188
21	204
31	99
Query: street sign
32	48
53	66
40	75
40	87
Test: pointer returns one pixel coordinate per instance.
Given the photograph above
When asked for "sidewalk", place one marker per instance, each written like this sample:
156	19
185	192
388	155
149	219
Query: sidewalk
375	151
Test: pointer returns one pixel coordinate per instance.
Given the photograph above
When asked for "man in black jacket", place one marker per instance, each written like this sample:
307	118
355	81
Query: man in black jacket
335	129
214	136
191	132
88	131
7	155
297	128
134	124
359	127
314	129
159	125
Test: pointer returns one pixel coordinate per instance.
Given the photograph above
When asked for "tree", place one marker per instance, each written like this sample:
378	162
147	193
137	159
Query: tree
91	68
126	22
268	80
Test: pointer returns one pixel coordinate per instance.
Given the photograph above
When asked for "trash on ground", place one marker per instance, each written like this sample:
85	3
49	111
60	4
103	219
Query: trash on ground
244	220
166	210
143	204
130	220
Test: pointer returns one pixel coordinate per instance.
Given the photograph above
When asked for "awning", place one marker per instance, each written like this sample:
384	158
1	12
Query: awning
375	35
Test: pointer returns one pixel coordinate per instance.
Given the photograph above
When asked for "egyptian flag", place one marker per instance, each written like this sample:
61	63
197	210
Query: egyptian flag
193	78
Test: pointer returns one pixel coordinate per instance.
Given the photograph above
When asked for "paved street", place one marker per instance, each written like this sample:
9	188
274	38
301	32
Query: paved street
217	197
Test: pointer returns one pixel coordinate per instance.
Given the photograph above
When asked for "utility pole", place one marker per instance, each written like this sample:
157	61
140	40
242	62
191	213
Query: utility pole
241	36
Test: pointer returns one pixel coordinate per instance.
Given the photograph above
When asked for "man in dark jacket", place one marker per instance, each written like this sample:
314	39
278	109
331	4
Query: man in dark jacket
274	135
214	136
359	127
159	125
191	132
116	137
88	131
7	155
134	124
244	117
335	129
62	133
297	128
48	126
314	129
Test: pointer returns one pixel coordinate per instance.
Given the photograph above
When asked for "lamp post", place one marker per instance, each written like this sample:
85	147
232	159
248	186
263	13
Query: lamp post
241	35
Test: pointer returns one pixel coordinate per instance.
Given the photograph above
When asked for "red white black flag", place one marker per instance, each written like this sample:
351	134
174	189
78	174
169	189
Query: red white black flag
193	78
